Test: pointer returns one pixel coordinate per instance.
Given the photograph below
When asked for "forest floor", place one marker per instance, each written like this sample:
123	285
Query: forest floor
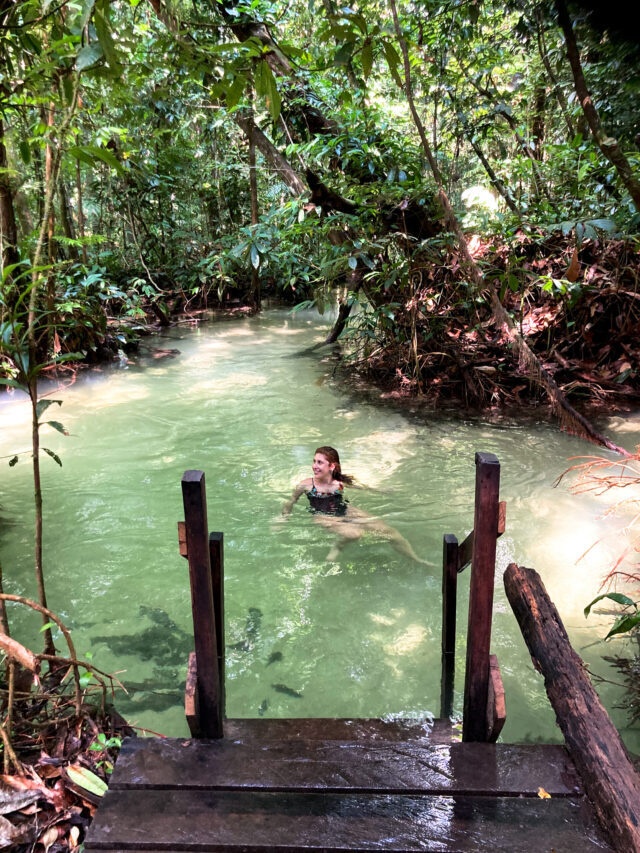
56	761
579	311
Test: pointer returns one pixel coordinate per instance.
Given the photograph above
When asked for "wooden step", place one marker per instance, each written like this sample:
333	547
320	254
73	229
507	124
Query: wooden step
345	766
250	821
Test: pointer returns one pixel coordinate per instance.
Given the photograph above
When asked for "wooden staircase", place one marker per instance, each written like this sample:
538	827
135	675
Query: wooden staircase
336	785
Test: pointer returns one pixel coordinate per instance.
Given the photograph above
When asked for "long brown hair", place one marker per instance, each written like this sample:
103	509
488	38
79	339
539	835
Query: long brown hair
331	454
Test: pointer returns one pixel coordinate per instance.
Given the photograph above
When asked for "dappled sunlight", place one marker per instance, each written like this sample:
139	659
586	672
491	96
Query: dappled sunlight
117	392
407	643
571	569
287	332
224	384
15	420
377	455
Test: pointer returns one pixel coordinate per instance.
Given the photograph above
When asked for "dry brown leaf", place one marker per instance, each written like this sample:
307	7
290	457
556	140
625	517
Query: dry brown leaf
573	270
48	838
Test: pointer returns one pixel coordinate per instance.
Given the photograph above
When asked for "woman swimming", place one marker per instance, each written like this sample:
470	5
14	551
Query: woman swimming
331	509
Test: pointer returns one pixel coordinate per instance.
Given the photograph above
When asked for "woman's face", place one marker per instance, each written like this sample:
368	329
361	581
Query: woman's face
321	466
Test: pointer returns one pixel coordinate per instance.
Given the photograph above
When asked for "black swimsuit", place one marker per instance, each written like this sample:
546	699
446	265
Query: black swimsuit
327	503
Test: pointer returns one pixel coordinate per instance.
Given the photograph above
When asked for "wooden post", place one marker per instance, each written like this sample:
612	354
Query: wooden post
216	556
449	595
485	526
609	778
204	621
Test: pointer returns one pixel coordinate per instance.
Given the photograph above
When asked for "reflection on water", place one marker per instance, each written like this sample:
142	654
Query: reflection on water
304	638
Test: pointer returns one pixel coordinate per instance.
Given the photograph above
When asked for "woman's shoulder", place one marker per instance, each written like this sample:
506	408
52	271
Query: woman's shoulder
306	484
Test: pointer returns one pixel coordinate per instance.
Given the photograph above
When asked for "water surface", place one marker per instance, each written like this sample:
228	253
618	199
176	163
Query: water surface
304	637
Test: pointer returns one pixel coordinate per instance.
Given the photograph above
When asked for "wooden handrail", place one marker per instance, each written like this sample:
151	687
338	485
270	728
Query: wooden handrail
208	703
484	696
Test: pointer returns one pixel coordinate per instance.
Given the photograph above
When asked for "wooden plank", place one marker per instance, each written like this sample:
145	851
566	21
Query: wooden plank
465	552
502	517
248	821
216	558
595	745
182	539
496	704
345	766
191	704
265	731
204	627
476	685
449	605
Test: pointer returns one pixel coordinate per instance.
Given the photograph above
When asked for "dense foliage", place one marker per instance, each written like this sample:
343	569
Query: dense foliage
128	129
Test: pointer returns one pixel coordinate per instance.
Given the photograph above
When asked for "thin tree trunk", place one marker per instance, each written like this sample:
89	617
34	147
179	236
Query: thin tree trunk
66	218
607	144
278	163
80	212
495	180
568	415
49	648
4	620
537	124
557	90
253	192
8	226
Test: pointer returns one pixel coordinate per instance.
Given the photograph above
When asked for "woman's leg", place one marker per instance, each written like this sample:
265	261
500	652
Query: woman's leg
395	538
345	531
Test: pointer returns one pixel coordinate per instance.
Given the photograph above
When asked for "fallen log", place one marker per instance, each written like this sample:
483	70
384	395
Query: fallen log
609	778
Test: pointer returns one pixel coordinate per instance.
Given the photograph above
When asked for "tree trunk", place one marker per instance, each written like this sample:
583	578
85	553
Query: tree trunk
609	778
81	213
49	648
253	192
557	91
495	180
607	144
8	227
537	124
66	217
278	163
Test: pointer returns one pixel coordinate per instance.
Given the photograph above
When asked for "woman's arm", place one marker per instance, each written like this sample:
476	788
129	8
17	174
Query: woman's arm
299	490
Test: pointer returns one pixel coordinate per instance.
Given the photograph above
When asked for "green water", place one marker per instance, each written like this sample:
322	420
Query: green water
356	638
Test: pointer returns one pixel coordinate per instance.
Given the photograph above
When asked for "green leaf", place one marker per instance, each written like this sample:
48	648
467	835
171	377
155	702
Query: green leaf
57	425
266	88
255	256
353	262
81	154
43	405
100	19
86	679
46	626
106	156
53	455
13	461
87	780
25	151
89	55
13	383
367	58
235	91
618	597
393	61
624	624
